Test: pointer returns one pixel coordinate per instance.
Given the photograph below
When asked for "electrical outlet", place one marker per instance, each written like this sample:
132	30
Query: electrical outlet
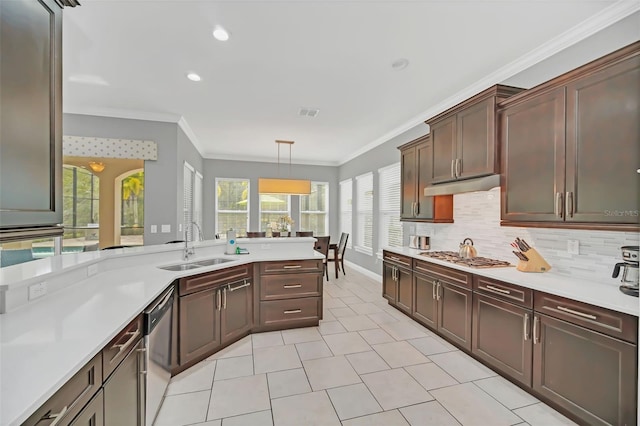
573	246
37	290
165	229
179	227
154	229
92	270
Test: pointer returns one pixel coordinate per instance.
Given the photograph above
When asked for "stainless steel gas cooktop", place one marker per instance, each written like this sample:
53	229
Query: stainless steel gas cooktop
473	262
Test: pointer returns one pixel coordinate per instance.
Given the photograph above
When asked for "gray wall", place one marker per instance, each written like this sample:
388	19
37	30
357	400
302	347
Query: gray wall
372	160
253	170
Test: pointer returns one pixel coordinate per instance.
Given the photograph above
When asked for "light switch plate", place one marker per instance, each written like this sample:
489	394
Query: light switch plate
165	229
573	246
37	290
154	229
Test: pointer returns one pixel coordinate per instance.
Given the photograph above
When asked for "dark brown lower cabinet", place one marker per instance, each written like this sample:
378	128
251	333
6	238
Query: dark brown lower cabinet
199	324
454	313
236	315
389	284
124	392
502	336
591	375
397	287
93	413
425	305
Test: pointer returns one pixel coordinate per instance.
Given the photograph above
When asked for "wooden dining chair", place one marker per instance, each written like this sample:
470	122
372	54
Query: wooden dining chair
251	234
322	246
304	234
337	255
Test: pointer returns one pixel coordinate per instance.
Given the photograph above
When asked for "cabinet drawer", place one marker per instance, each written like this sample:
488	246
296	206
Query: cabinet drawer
286	286
397	259
71	398
291	266
118	348
510	292
224	276
290	310
451	276
93	413
615	324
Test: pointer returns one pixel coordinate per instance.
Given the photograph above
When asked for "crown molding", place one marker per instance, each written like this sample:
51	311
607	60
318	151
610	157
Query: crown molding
257	159
577	33
122	113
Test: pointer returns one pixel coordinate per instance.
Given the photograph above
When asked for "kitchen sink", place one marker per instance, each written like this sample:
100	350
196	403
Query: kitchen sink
195	265
209	262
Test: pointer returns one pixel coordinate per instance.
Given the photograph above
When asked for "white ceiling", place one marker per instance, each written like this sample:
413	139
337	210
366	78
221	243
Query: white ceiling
130	58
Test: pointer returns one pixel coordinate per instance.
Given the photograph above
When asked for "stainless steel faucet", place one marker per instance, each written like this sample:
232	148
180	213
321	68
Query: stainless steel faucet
188	251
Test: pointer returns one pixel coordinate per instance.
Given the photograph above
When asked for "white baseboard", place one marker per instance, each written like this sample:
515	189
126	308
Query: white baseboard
363	271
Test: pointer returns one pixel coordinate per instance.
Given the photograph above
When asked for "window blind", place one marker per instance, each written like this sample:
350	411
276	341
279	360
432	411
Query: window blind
390	227
314	209
364	207
188	200
346	209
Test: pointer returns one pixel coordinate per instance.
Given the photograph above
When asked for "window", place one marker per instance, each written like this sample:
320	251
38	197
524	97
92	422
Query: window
80	199
272	208
192	203
232	206
132	209
314	209
346	209
389	206
364	213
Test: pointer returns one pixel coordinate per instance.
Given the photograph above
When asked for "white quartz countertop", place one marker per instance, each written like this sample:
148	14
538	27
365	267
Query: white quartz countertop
605	296
46	341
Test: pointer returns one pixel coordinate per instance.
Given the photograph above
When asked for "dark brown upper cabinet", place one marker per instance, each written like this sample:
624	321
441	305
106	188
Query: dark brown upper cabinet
570	150
416	162
464	137
31	119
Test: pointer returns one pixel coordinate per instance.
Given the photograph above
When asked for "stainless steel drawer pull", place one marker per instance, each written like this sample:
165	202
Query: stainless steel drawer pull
293	311
525	330
57	416
292	267
458	167
568	200
438	291
499	290
536	338
121	347
292	286
453	172
245	284
580	314
224	298
218	302
558	204
433	292
397	259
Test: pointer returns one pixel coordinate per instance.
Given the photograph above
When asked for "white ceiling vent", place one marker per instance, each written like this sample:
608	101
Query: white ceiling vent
308	112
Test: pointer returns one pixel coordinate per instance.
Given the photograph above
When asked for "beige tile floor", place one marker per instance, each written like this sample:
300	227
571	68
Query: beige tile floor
366	364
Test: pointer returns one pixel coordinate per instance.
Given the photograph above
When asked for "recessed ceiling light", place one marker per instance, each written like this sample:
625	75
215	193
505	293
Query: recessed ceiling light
400	64
193	76
220	33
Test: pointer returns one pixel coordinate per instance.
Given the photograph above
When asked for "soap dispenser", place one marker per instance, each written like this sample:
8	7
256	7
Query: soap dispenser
231	242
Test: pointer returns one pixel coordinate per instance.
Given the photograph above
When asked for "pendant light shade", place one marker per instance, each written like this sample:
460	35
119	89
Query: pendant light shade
284	186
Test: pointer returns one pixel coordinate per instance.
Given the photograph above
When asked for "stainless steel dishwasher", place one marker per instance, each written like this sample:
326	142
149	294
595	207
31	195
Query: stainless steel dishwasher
158	320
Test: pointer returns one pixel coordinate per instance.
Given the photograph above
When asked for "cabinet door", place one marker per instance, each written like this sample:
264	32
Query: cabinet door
533	154
236	316
389	284
443	138
454	314
405	290
199	324
425	305
123	396
476	141
31	119
424	160
408	182
603	152
93	413
502	336
589	374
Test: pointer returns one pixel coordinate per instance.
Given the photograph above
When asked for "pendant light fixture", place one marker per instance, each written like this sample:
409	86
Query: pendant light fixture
284	186
96	166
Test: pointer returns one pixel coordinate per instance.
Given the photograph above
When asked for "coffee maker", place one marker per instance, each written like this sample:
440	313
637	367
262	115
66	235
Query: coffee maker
629	270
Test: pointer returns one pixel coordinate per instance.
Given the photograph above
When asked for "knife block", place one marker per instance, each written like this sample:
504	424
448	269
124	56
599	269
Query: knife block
536	262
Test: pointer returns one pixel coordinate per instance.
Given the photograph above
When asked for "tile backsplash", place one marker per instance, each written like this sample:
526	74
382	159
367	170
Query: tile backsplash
477	216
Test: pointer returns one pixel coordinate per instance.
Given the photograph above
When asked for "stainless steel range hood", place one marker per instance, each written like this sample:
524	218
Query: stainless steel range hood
484	183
